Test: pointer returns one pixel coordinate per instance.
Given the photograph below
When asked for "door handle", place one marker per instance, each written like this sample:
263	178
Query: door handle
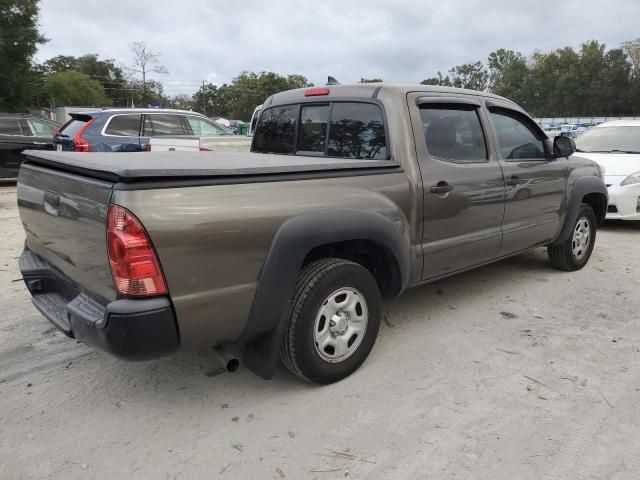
441	187
51	203
514	180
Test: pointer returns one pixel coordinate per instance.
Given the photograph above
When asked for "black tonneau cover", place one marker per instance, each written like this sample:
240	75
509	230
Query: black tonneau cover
134	166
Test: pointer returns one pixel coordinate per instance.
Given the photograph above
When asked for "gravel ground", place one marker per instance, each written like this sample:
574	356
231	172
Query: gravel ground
512	371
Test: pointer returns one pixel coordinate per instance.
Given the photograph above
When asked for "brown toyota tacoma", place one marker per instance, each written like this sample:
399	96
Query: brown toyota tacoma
350	194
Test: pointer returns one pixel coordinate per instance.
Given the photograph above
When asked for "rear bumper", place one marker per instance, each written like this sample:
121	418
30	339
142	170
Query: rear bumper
139	329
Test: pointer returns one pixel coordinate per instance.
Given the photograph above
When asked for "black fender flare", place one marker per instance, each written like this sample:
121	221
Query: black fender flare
582	187
294	239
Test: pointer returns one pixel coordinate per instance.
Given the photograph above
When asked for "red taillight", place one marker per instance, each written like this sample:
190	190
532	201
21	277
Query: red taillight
134	264
79	143
205	149
317	91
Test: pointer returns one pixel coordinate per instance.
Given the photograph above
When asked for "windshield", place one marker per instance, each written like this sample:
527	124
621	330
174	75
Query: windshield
610	139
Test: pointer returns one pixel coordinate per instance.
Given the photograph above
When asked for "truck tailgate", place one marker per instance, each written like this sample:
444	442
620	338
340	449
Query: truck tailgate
64	218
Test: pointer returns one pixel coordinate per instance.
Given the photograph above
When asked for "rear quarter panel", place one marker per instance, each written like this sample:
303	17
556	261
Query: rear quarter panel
213	240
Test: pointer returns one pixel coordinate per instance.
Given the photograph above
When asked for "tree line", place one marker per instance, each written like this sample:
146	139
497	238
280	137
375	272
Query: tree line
564	82
591	80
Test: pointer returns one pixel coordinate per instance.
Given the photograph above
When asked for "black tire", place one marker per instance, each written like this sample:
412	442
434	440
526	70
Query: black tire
316	283
562	256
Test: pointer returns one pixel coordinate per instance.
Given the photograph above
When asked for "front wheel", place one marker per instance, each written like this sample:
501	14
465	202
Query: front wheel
575	252
334	321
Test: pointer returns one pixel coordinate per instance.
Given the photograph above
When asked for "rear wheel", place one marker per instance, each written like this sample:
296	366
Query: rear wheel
575	252
334	321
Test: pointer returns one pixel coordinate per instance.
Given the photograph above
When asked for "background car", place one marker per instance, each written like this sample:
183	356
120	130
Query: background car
20	132
130	130
615	146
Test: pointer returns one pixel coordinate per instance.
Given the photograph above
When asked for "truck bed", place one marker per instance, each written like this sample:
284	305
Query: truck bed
136	166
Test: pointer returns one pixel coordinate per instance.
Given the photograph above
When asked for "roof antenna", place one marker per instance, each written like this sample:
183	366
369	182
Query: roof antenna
332	81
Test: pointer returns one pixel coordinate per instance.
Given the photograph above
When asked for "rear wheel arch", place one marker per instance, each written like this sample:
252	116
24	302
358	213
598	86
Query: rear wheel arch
355	235
376	258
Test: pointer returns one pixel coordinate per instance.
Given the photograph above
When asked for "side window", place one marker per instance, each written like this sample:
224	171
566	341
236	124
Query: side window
166	125
204	128
517	140
313	128
276	129
357	131
124	126
40	128
453	133
10	126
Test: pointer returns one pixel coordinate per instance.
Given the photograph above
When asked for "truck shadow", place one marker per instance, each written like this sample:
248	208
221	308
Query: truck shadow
198	374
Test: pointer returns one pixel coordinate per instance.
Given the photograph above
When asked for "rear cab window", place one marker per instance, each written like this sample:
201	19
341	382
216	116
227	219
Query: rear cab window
276	130
124	126
333	129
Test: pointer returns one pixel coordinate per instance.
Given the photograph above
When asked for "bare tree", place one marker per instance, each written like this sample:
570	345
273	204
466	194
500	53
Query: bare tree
145	61
632	49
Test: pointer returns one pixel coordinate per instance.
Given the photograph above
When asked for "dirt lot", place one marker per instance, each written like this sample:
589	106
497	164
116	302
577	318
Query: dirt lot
513	371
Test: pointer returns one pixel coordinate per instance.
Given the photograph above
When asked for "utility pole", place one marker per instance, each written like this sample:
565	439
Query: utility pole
204	99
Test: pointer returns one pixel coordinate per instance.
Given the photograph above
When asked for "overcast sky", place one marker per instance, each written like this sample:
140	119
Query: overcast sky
397	40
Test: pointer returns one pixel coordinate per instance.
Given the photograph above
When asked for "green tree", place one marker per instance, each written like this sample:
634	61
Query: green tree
508	75
371	80
106	72
470	75
632	51
439	80
75	88
618	82
238	99
19	40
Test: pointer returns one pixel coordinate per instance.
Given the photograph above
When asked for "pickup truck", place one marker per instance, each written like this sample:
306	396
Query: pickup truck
350	194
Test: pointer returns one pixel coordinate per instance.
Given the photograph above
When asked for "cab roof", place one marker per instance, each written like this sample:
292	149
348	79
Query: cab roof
372	90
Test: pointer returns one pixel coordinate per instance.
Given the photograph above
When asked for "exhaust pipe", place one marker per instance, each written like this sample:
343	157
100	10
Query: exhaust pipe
227	359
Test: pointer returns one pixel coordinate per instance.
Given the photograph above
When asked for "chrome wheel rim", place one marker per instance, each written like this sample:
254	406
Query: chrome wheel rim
340	325
581	238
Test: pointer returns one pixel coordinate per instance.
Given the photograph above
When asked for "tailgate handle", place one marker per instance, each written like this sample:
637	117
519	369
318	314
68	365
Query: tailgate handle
51	203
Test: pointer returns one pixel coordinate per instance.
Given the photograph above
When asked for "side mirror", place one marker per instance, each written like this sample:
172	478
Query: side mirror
563	146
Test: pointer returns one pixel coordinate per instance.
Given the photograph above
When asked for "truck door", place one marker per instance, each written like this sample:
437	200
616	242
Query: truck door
535	182
464	190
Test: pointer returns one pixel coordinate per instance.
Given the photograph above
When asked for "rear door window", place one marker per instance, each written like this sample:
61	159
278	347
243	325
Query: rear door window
453	133
124	126
41	128
357	131
10	126
312	133
166	125
276	130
